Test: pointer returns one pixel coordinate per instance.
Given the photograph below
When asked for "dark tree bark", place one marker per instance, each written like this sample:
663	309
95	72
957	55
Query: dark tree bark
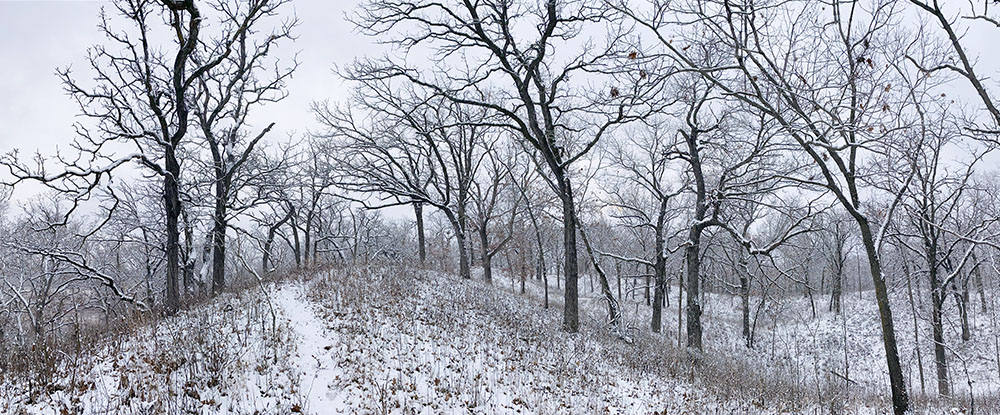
487	259
659	267
272	230
418	212
296	247
571	313
745	301
962	300
916	325
897	383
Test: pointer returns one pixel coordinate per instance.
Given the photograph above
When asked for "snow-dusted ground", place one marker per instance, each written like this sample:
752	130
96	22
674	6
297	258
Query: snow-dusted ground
429	344
228	356
314	356
392	340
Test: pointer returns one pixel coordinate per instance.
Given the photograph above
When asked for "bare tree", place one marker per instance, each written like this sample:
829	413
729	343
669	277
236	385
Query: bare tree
641	195
225	95
789	76
533	92
140	105
406	147
492	198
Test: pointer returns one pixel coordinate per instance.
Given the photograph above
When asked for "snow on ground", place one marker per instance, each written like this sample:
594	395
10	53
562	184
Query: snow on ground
224	357
313	357
425	343
388	340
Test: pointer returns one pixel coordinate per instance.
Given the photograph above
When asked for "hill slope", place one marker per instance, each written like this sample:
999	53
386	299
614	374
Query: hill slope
394	340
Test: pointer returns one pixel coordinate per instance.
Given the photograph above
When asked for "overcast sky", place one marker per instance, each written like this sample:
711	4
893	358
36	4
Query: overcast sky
37	36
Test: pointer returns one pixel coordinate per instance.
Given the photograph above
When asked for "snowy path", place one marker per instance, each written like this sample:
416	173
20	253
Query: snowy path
320	374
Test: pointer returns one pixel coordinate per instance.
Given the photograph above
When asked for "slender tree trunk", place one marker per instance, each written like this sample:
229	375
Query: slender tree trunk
545	283
271	232
458	226
659	274
680	309
900	400
962	298
647	284
188	256
937	325
418	211
613	306
296	248
940	358
524	270
978	275
307	242
485	255
837	290
916	325
745	303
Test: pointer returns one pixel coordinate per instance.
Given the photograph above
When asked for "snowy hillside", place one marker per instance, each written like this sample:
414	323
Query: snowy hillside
392	340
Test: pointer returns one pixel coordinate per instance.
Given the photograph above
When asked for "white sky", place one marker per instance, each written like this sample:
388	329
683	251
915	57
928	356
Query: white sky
37	36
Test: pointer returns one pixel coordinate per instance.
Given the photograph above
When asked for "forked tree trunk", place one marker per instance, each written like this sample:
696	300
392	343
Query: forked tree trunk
836	292
962	298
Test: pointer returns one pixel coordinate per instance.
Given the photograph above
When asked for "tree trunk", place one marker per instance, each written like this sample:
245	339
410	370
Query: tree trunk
837	290
745	304
937	326
271	232
296	248
172	206
693	261
571	318
485	255
647	284
659	274
900	400
307	234
680	308
219	237
458	226
188	257
418	211
613	307
524	272
978	274
962	298
916	325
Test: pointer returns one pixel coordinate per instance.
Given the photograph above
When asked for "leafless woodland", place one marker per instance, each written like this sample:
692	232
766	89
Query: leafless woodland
698	186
